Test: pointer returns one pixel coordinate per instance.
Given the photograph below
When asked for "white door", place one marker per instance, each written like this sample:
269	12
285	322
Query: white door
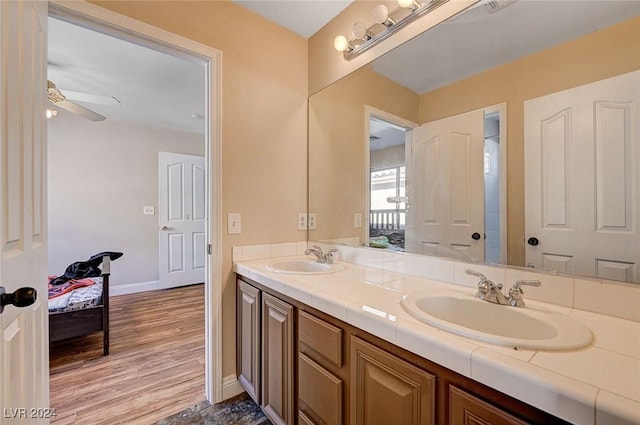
24	353
582	170
446	190
182	218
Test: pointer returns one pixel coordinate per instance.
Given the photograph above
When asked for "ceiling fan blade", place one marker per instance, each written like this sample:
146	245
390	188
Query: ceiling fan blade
90	98
77	109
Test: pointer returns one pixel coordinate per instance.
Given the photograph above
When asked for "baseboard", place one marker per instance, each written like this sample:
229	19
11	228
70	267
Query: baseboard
231	387
133	288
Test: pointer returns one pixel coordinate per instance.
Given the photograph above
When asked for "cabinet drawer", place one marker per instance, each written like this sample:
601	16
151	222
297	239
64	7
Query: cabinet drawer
321	337
465	408
320	392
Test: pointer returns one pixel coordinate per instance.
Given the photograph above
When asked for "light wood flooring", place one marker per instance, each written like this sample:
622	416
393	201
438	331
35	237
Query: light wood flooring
155	369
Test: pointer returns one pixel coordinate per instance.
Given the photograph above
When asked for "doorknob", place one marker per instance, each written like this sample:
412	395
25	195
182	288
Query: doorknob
22	297
533	241
164	228
476	236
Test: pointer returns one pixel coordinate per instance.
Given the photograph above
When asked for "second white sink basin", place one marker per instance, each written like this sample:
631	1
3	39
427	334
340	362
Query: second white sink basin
516	327
304	267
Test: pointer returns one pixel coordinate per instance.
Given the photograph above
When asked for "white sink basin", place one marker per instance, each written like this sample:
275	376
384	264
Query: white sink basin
304	267
516	327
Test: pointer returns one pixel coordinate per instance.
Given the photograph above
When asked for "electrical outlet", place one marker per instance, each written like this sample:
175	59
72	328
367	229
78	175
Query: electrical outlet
312	221
234	224
357	220
302	221
148	210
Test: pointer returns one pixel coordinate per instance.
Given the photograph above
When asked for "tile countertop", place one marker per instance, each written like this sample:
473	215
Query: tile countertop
596	385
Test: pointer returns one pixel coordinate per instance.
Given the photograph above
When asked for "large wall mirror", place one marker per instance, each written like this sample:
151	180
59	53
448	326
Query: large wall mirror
507	134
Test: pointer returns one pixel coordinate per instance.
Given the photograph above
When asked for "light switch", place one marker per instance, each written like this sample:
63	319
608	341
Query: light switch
234	225
148	210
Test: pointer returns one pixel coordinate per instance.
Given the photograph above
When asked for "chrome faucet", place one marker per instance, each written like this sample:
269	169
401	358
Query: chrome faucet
515	293
492	292
320	256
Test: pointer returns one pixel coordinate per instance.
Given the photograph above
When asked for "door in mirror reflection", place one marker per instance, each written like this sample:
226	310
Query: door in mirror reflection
446	188
582	174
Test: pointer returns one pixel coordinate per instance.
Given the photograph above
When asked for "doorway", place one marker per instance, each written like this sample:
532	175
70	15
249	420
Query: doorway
97	19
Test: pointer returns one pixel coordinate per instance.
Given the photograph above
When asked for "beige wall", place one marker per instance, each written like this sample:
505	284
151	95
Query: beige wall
337	125
606	53
99	176
264	119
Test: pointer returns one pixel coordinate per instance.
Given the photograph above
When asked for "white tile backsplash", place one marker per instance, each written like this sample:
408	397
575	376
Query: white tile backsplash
284	249
557	290
610	298
256	252
460	277
434	268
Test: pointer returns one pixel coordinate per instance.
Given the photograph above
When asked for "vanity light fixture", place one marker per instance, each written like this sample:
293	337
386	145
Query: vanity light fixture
365	38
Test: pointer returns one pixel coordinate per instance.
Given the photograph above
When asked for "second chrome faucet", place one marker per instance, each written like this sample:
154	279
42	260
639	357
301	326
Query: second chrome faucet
492	292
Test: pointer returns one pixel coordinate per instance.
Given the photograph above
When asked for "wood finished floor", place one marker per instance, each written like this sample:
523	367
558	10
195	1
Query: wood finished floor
155	369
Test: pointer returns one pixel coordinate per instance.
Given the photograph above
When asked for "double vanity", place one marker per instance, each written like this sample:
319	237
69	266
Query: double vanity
343	343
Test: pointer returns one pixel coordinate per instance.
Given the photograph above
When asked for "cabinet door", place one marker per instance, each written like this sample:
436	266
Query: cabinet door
249	339
320	393
277	360
467	409
388	390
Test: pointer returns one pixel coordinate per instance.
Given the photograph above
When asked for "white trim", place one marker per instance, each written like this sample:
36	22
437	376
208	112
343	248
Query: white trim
501	109
369	112
133	288
90	14
231	387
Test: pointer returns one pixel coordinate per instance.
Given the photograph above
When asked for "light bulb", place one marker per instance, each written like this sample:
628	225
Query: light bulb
341	43
408	3
359	30
380	14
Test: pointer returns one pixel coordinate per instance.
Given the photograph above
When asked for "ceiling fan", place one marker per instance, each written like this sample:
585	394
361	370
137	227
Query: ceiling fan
55	97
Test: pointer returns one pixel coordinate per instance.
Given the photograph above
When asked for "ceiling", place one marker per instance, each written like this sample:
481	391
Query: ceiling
159	89
304	17
152	87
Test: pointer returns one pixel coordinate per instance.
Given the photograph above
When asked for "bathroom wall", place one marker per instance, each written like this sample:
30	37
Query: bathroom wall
264	119
100	175
332	114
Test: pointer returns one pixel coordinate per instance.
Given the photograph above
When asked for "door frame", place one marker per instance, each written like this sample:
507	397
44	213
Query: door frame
371	112
94	17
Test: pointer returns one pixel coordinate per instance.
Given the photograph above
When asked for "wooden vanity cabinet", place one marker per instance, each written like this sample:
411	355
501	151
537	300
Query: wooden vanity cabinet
310	368
265	352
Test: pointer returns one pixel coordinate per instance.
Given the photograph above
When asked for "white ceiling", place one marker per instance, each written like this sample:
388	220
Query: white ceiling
154	88
304	17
